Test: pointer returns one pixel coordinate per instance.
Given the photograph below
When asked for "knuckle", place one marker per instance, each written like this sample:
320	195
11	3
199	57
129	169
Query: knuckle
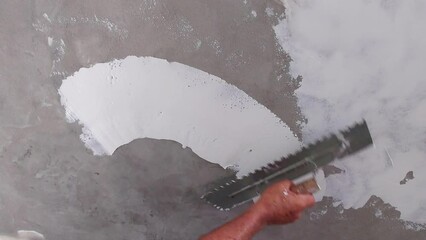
285	184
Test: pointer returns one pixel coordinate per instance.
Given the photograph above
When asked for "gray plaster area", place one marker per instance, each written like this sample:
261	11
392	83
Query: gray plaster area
148	189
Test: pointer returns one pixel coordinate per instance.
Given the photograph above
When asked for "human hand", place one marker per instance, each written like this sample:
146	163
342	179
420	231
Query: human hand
279	205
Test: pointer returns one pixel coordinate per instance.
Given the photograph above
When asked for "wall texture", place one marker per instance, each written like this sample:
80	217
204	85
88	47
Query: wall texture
148	189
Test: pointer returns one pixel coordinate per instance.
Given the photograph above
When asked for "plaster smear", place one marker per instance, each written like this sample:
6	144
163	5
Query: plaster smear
24	235
147	97
365	59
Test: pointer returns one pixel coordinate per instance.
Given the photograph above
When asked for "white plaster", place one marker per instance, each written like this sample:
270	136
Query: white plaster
24	235
365	59
147	97
47	17
49	41
269	12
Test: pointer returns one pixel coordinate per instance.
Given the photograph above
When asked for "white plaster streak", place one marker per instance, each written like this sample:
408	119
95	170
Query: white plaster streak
47	17
365	59
24	235
147	97
49	41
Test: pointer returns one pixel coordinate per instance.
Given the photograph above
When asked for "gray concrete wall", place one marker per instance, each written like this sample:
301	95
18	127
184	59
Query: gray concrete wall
149	189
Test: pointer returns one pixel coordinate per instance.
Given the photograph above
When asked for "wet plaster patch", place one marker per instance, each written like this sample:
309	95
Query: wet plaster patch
372	68
147	97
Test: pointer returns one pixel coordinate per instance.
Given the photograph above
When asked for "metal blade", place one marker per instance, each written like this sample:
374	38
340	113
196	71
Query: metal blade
233	192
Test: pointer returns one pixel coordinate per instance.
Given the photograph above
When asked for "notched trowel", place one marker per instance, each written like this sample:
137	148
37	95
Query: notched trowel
232	192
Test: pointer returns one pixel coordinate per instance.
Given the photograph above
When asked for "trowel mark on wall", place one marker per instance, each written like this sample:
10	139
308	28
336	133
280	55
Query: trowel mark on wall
147	97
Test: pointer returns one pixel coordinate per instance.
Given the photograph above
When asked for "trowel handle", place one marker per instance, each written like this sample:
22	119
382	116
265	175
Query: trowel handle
307	187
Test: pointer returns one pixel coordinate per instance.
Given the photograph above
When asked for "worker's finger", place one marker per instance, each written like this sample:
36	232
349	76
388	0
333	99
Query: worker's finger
279	187
285	185
307	200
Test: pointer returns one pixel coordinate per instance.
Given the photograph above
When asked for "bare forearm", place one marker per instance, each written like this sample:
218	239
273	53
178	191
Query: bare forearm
242	228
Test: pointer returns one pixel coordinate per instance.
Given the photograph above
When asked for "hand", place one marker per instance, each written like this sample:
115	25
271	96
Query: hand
279	205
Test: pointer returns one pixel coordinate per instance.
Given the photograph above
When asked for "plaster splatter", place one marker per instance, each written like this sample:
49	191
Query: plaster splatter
365	59
146	97
269	12
95	21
